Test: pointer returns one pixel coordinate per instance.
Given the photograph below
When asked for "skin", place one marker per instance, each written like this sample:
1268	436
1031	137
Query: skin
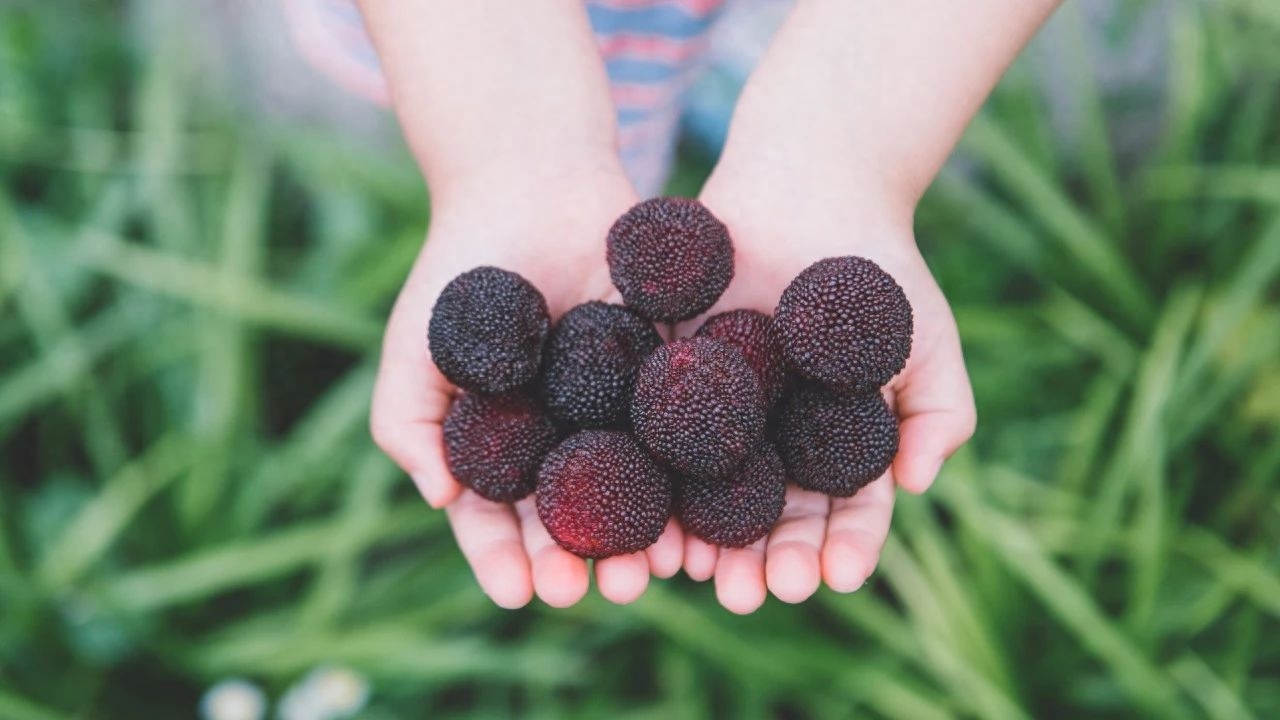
896	84
533	189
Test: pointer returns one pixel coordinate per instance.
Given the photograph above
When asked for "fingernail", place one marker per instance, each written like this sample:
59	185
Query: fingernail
934	469
921	479
425	490
849	590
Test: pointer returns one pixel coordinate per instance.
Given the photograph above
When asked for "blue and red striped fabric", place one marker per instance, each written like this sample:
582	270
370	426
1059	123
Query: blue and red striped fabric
652	50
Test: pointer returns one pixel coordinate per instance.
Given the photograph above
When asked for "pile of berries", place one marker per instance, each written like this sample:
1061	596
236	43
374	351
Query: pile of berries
616	430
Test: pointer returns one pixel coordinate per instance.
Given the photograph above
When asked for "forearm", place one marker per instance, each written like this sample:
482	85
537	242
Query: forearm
484	88
876	94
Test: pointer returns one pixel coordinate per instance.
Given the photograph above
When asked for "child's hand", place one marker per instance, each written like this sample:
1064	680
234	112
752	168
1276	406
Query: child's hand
836	135
552	232
780	225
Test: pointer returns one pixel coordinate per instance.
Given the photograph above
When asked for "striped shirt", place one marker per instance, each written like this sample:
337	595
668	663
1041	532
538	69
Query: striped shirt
652	50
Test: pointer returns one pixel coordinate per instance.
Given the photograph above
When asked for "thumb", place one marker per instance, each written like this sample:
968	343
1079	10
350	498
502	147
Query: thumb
410	401
935	402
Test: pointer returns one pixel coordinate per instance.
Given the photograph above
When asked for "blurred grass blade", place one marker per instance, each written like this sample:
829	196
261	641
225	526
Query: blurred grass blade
1090	432
794	666
13	707
871	615
1137	465
91	533
14	261
1256	344
50	324
993	223
1251	498
1095	154
1078	235
1267	13
950	651
978	648
222	401
1240	296
104	150
364	509
1242	183
394	651
71	360
1147	454
1023	556
48	318
208	572
1189	94
1021	105
160	111
314	444
391	176
1248	576
1202	683
1081	325
248	301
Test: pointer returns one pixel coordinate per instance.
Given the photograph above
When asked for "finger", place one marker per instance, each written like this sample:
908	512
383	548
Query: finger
418	448
623	578
666	555
559	577
489	536
740	583
410	401
856	531
792	566
935	402
699	558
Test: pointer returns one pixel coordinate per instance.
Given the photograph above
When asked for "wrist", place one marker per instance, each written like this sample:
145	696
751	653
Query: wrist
780	225
519	207
774	164
787	191
530	181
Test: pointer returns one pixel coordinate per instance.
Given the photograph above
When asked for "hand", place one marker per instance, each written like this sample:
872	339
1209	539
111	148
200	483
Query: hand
781	223
551	231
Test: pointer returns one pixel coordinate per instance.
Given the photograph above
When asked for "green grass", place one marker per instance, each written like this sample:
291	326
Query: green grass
190	305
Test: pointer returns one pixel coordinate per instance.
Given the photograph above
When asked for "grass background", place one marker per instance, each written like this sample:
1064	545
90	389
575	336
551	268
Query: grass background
190	305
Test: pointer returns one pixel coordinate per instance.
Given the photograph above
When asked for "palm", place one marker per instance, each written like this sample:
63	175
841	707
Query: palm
837	539
559	249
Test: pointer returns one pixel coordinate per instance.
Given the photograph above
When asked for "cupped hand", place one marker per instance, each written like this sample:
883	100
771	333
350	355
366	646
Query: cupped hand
551	231
780	225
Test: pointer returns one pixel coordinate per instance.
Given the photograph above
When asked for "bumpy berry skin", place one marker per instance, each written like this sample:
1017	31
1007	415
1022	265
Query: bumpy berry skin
845	323
738	512
600	495
487	330
592	357
670	258
835	444
495	444
698	407
751	333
